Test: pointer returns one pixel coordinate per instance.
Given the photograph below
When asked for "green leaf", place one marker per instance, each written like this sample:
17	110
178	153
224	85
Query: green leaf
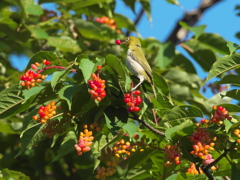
86	66
118	67
147	8
223	65
131	128
229	79
67	145
38	57
6	128
235	172
57	76
232	47
7	174
235	94
179	129
173	2
9	101
231	107
64	43
32	92
67	93
93	30
228	125
30	137
184	63
124	22
38	32
30	7
161	84
182	112
198	30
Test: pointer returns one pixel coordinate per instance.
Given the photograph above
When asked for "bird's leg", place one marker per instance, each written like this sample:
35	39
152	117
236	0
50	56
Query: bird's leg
141	81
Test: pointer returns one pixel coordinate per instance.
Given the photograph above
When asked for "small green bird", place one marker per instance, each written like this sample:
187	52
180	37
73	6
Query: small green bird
136	62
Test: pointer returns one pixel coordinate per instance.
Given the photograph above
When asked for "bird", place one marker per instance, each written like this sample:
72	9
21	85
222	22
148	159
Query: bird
137	63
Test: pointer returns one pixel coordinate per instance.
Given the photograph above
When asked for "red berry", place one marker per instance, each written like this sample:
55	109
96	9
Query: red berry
136	108
127	95
99	67
131	109
137	92
118	42
47	63
33	66
127	100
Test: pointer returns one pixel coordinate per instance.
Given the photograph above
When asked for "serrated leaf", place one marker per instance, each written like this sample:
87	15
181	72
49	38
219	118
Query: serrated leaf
67	145
9	101
182	112
223	65
86	66
30	137
67	94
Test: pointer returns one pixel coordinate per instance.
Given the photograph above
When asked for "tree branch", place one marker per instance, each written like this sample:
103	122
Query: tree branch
191	18
135	117
136	20
206	168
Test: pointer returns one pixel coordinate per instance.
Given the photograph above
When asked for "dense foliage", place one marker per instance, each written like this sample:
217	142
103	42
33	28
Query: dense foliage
84	123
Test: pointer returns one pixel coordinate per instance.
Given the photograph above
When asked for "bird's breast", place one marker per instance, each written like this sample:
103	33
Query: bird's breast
133	65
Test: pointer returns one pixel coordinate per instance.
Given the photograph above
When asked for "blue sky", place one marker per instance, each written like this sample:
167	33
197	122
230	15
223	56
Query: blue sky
220	19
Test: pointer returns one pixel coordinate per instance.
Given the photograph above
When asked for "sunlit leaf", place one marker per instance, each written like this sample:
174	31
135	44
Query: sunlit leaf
223	65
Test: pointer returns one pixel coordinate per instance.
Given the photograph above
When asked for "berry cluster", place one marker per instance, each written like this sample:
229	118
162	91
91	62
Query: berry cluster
202	145
110	22
172	155
45	112
121	150
85	141
56	127
97	86
192	169
133	100
237	133
220	114
30	78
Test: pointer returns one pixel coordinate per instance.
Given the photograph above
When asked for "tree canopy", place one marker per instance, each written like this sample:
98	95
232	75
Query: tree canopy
71	113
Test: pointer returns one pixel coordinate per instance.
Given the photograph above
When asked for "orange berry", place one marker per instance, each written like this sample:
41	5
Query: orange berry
37	64
44	61
35	117
22	83
99	67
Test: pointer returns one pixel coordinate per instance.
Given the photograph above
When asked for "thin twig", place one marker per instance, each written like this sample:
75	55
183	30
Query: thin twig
135	117
206	168
136	20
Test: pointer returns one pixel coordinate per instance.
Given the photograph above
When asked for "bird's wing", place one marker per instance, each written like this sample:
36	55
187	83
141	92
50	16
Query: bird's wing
145	65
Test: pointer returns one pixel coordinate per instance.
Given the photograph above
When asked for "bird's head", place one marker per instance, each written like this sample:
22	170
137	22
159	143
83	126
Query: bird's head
131	41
